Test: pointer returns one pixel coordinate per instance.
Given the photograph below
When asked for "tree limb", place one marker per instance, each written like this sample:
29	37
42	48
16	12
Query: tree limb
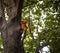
12	9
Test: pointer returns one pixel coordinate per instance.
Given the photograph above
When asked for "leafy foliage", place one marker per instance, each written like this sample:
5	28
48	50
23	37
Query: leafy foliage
45	14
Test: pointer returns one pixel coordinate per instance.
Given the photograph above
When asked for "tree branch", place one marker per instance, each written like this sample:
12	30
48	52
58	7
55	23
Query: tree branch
12	9
15	10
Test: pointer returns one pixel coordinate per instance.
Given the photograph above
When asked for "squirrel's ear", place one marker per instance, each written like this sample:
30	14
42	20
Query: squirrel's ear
24	21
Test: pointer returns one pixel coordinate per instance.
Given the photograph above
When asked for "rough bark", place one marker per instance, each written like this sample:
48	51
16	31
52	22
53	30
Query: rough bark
11	34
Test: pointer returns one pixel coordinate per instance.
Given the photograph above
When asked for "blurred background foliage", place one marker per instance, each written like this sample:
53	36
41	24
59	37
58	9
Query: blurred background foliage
44	21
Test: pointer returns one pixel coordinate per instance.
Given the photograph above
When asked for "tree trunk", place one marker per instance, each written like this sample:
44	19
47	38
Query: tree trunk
11	34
